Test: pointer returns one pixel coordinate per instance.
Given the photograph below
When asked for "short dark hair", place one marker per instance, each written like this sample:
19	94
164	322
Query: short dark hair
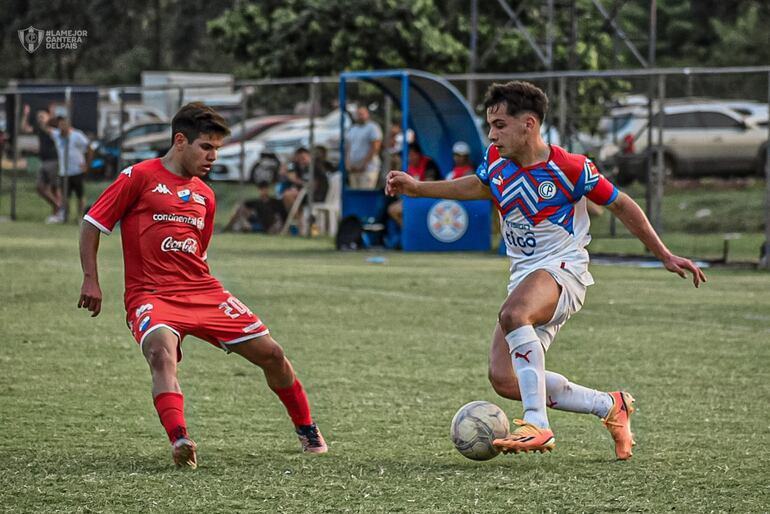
518	96
197	118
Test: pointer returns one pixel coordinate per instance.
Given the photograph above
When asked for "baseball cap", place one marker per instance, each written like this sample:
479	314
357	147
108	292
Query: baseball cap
461	147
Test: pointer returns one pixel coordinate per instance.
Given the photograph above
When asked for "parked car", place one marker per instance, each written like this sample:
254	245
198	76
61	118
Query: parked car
147	146
703	138
228	163
133	114
107	152
253	127
280	144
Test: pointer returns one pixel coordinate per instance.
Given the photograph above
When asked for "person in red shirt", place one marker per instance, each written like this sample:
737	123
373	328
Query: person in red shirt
461	154
167	218
420	167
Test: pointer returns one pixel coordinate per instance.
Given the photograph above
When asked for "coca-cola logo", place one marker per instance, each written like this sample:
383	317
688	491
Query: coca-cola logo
170	244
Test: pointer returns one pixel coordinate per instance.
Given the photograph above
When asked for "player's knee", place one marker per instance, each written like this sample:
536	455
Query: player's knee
511	318
160	358
160	353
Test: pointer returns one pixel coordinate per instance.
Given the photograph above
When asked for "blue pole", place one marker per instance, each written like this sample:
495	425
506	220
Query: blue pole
404	120
343	113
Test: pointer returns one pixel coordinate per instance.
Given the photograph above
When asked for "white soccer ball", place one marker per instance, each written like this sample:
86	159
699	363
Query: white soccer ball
475	426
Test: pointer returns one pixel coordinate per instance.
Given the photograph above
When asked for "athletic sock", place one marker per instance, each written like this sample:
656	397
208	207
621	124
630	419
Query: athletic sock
528	358
564	395
170	407
296	403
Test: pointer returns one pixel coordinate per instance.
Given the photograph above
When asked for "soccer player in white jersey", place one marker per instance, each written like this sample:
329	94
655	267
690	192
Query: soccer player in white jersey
540	191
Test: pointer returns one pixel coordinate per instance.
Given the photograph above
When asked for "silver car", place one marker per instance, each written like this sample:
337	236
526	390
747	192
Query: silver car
699	139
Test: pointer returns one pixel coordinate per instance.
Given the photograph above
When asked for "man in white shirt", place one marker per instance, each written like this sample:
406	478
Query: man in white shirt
363	143
74	156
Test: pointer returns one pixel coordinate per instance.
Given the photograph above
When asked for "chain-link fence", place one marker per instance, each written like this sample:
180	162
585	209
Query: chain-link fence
689	144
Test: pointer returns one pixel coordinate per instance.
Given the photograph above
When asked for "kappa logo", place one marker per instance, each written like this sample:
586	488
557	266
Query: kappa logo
162	189
199	198
184	194
127	171
498	180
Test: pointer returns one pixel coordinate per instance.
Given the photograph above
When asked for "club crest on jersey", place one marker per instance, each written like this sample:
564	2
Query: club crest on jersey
144	323
199	198
162	189
546	190
184	194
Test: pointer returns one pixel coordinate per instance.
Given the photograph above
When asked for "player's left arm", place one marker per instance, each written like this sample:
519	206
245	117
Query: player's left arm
208	226
632	216
601	191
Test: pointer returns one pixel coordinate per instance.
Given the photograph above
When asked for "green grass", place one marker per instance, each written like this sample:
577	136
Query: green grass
387	353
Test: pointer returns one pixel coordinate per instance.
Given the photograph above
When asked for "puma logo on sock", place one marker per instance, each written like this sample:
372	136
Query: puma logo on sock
524	356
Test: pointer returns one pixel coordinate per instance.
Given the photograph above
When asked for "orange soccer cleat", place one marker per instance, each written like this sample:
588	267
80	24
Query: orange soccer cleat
526	438
618	422
184	453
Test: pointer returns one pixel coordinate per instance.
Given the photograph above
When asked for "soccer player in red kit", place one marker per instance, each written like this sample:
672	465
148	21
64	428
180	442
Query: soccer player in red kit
167	218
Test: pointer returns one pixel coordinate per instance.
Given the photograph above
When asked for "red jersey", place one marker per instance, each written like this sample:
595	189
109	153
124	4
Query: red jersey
166	225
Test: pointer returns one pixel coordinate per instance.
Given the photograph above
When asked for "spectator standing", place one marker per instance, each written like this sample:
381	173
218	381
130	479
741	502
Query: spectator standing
74	154
363	143
48	178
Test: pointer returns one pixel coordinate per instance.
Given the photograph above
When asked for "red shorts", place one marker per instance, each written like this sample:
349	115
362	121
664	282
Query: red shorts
219	318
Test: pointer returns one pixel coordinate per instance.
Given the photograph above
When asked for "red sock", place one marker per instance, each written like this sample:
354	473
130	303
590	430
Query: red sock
295	401
170	407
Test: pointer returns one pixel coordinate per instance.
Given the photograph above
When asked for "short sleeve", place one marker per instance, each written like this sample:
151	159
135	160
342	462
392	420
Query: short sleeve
595	186
376	132
482	172
208	225
115	201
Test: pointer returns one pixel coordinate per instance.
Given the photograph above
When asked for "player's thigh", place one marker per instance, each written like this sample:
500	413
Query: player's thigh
262	351
532	301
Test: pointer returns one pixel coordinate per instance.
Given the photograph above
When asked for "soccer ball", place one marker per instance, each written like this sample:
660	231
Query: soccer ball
475	426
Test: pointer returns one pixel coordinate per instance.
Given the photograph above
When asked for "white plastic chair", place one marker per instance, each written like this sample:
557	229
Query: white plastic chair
327	214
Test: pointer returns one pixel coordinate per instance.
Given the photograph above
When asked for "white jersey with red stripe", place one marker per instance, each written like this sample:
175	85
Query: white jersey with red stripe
543	217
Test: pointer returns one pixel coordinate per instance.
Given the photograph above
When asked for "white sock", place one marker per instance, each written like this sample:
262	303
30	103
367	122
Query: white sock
528	358
564	395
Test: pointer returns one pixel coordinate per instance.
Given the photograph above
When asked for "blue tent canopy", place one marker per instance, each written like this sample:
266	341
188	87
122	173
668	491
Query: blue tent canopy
432	107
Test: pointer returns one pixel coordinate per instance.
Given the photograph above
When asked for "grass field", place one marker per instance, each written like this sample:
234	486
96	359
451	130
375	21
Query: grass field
387	353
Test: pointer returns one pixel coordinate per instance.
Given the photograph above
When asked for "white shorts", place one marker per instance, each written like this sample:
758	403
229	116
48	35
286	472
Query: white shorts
573	294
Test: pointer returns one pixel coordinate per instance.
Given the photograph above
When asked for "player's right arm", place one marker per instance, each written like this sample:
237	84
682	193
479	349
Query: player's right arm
104	214
465	188
90	292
